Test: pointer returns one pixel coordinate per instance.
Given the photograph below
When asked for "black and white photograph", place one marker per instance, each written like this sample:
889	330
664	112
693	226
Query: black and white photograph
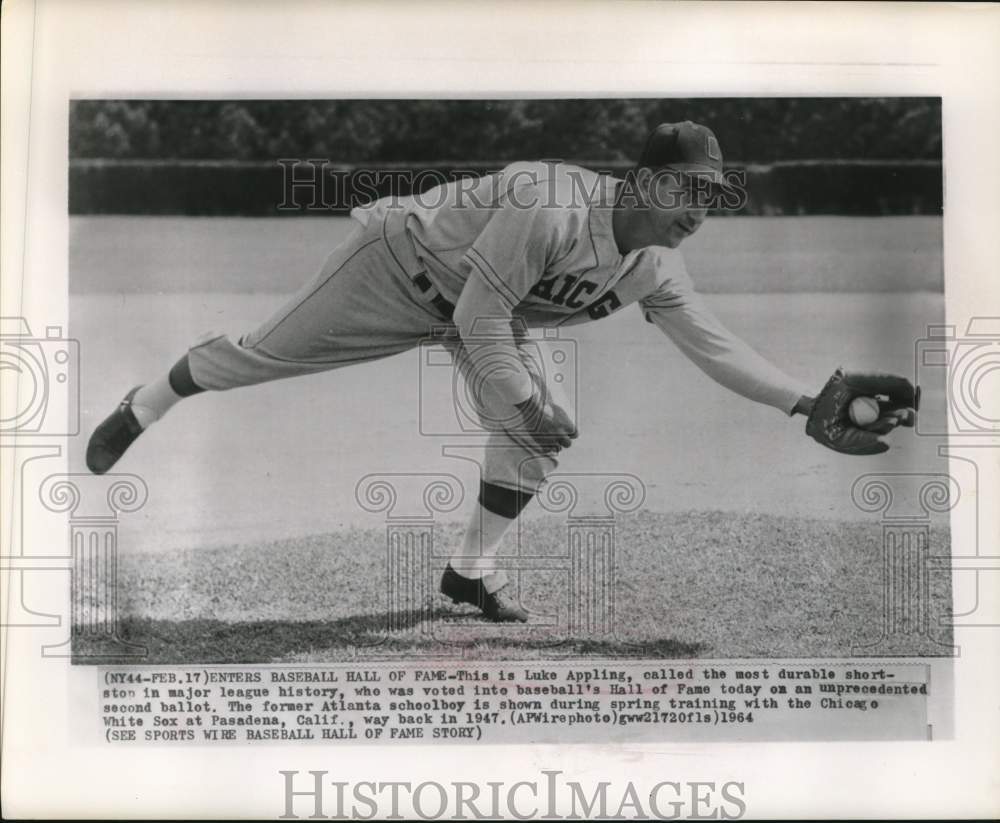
543	411
509	379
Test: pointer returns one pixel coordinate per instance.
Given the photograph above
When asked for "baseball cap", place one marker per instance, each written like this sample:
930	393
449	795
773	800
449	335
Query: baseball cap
684	146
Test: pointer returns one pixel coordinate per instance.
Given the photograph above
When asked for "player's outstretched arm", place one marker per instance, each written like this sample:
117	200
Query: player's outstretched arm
682	315
732	363
505	262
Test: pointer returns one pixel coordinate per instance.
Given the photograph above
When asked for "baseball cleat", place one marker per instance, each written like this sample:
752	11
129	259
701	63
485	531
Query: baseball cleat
115	434
496	605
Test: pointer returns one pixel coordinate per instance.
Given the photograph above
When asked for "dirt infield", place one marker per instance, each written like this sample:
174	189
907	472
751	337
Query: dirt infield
166	255
283	459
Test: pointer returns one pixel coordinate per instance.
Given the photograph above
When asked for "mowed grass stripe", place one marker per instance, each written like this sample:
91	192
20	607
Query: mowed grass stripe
697	584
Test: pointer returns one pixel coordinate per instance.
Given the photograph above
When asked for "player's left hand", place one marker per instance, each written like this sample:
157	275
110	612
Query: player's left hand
830	425
546	422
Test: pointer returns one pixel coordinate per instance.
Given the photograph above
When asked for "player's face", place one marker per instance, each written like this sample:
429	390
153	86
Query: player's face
672	212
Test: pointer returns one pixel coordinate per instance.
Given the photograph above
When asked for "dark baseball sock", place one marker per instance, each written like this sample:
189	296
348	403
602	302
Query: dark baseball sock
503	501
181	380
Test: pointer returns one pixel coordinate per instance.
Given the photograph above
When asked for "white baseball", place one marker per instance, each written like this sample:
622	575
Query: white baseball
863	411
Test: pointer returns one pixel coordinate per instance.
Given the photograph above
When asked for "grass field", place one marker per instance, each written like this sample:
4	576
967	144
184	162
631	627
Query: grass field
252	548
697	584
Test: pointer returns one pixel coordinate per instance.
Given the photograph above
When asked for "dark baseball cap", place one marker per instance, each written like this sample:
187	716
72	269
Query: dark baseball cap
685	146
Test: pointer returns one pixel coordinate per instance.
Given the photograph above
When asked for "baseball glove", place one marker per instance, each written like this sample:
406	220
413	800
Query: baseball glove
830	425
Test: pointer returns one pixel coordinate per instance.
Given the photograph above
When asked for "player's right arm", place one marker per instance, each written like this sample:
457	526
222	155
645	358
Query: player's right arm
484	321
506	260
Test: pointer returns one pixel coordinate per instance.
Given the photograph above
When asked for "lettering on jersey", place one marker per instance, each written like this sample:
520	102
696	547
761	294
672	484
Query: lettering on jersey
543	288
603	307
572	291
560	298
574	300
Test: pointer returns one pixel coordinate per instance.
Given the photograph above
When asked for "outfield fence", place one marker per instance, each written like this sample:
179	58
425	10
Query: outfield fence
285	187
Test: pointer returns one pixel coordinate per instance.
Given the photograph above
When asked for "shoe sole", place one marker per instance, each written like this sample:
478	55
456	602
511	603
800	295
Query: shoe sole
457	602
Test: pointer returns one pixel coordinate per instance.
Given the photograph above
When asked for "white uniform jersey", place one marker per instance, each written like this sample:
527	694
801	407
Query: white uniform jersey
535	241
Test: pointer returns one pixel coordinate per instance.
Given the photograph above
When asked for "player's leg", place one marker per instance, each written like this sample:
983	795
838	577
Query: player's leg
358	308
513	469
137	411
472	575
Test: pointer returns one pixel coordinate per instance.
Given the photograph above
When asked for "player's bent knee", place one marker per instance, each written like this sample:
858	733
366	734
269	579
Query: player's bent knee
532	471
515	463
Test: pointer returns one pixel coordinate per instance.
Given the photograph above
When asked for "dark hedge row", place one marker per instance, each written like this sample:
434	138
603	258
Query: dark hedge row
264	188
761	130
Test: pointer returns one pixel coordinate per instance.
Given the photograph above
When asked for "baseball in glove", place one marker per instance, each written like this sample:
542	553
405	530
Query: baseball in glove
829	423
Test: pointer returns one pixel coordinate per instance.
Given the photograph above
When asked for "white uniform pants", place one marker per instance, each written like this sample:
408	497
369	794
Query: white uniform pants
364	305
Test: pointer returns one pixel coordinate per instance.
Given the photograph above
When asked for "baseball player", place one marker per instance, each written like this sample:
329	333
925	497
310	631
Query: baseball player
534	245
